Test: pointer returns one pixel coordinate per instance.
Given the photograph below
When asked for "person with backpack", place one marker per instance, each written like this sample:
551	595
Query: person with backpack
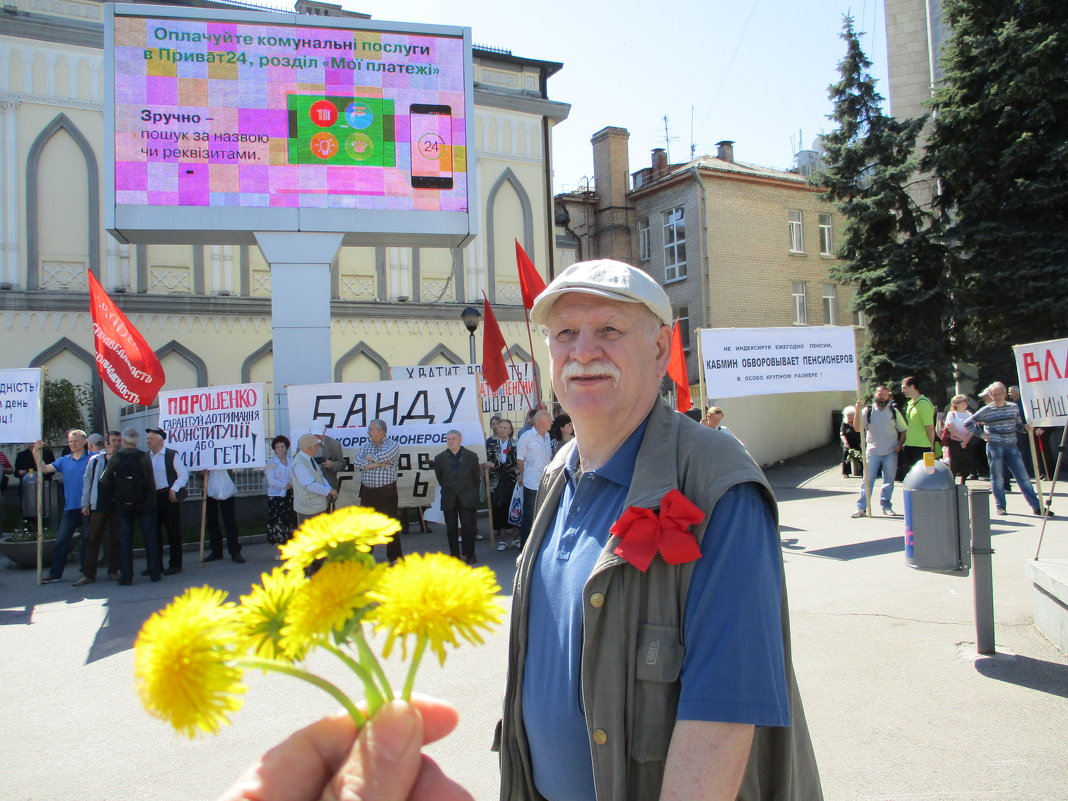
886	429
128	476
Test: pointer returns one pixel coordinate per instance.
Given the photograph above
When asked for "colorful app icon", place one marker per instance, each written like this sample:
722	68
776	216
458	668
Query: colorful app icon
323	113
359	146
324	145
359	115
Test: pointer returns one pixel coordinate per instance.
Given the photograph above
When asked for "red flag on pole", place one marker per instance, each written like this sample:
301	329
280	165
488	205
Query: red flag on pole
127	365
494	370
677	371
530	280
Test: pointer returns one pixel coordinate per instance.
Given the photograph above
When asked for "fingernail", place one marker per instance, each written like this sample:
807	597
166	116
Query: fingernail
392	730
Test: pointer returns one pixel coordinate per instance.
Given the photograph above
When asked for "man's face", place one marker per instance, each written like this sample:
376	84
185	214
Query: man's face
114	443
376	434
542	422
1014	394
76	442
997	395
714	419
607	357
453	442
909	391
882	396
154	441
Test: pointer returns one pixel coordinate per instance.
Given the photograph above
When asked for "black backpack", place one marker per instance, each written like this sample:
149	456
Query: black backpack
128	481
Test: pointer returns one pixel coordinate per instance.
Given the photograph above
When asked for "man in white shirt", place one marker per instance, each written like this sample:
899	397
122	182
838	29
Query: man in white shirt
534	453
171	477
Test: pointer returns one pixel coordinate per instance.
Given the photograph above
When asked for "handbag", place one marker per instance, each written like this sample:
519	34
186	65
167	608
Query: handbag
944	437
515	506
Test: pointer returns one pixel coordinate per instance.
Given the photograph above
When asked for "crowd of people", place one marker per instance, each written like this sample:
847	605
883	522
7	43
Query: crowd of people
990	440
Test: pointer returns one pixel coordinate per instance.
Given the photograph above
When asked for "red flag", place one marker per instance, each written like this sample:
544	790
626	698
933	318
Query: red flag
127	365
529	279
494	370
677	371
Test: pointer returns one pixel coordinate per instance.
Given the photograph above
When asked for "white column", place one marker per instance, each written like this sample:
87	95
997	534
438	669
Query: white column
9	194
300	311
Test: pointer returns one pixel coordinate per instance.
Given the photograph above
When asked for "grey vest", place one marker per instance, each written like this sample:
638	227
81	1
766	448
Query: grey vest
631	703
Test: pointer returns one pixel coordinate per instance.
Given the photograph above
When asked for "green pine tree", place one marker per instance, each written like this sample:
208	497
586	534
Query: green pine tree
888	251
999	144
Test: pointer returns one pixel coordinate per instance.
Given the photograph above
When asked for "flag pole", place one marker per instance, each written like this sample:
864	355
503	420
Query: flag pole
533	359
39	489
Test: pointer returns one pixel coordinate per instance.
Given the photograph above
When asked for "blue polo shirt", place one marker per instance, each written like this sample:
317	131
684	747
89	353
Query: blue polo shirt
73	472
733	670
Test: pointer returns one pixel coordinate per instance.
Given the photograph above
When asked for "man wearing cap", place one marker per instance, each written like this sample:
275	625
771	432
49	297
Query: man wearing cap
311	491
658	649
328	456
171	477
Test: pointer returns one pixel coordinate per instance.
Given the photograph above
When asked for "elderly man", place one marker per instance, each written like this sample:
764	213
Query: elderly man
171	477
72	468
648	658
1001	421
457	473
312	493
533	452
377	460
128	476
99	507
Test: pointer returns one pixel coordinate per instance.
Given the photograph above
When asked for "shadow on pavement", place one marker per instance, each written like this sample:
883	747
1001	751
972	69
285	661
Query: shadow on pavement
860	550
1034	674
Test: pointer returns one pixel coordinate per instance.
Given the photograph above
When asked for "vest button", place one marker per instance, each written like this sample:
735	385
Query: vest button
597	600
600	736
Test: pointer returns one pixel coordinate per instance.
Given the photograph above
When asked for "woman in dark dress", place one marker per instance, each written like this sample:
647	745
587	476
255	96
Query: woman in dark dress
281	519
504	471
851	465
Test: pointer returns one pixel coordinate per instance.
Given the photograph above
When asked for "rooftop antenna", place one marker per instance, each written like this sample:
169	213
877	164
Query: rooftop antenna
693	145
668	139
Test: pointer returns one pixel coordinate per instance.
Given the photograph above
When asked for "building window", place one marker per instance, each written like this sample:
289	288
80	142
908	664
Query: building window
797	233
682	313
645	242
674	245
826	237
830	304
800	303
860	319
399	272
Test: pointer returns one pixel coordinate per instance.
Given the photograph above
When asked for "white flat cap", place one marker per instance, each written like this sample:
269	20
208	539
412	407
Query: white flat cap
605	278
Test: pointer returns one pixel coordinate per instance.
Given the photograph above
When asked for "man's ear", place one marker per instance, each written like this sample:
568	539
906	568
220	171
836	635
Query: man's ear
663	349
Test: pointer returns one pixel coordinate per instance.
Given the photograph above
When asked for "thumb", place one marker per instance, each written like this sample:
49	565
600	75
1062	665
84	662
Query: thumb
385	759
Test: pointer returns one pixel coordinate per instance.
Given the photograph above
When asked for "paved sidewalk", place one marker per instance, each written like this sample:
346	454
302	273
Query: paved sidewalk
899	706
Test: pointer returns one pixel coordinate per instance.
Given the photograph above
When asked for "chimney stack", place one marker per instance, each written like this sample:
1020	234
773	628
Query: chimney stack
725	150
660	163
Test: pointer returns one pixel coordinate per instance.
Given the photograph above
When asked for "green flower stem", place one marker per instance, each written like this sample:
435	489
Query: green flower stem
375	700
417	657
280	667
367	656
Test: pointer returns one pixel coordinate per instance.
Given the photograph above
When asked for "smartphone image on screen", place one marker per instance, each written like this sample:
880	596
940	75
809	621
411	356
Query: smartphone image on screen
431	141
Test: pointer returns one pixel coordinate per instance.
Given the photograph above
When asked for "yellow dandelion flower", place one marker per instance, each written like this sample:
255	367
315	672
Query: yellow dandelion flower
183	662
261	614
436	597
327	602
348	533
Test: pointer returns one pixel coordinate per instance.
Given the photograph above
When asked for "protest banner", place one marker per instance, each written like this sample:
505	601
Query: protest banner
518	394
740	362
215	428
1043	371
417	414
20	405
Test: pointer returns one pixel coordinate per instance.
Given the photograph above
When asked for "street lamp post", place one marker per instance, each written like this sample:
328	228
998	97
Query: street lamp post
471	317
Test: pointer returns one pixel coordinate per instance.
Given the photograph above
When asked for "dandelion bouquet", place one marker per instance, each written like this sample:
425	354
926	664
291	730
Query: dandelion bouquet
190	657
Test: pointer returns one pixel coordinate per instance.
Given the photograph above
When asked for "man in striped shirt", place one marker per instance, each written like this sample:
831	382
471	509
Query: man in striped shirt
377	462
1000	422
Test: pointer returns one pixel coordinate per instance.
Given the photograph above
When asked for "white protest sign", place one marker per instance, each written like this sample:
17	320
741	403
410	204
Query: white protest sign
1043	371
517	394
739	362
215	428
20	405
417	414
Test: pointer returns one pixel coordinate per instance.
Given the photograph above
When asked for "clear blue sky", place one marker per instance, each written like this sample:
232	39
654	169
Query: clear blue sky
753	71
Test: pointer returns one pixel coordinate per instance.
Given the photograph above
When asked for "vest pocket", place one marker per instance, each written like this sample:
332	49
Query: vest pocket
658	663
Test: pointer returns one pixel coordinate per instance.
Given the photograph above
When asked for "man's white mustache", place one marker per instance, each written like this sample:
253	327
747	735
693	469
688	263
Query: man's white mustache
599	369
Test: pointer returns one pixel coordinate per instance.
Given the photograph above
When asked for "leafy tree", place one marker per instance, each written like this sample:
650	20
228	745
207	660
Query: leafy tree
888	250
62	408
999	144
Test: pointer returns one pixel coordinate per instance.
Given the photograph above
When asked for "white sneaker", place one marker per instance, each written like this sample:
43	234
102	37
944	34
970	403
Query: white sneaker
501	545
516	545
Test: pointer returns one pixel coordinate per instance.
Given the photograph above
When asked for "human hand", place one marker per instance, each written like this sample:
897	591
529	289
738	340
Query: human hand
85	511
327	760
37	446
332	495
173	496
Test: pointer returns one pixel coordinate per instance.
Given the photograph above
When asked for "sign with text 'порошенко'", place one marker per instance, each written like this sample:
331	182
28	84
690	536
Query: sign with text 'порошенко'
215	428
1043	371
739	362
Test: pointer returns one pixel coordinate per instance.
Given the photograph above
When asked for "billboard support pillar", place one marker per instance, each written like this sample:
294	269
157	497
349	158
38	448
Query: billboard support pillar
300	312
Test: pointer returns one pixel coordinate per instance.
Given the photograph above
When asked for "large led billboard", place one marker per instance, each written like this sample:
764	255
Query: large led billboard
221	123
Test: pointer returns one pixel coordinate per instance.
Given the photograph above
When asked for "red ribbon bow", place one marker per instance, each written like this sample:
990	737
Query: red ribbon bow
643	533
